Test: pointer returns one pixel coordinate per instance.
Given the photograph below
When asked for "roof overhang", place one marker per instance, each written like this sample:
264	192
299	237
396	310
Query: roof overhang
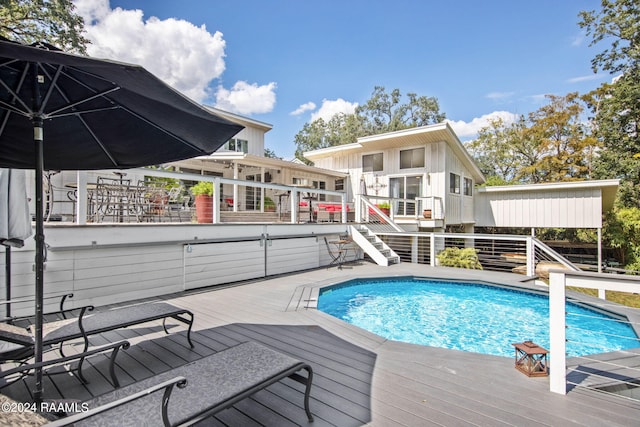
245	121
405	138
268	162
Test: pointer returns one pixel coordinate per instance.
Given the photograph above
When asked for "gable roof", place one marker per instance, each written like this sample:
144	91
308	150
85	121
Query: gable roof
422	135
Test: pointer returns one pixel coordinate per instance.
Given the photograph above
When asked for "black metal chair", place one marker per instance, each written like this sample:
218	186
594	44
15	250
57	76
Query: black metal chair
338	255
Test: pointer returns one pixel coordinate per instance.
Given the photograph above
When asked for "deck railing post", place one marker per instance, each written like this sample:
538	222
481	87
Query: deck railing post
358	208
531	262
557	333
414	249
432	249
215	205
81	198
294	205
343	202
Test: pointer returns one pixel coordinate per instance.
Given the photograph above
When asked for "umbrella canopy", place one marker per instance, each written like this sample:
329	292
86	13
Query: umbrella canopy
97	114
66	112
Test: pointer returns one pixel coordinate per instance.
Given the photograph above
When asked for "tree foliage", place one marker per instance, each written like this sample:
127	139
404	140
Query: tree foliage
383	112
615	105
268	152
617	114
622	233
550	144
50	21
617	22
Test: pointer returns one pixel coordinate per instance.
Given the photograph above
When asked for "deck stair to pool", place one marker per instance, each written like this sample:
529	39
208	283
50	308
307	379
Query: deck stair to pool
373	246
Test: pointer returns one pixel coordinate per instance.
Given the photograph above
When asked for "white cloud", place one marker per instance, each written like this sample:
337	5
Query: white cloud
330	108
578	39
470	129
309	106
498	96
245	98
586	78
186	57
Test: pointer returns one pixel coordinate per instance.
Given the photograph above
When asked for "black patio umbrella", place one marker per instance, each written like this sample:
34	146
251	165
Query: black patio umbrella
66	112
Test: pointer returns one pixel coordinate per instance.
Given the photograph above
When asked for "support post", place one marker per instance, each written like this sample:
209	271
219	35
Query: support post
531	262
81	198
215	203
557	334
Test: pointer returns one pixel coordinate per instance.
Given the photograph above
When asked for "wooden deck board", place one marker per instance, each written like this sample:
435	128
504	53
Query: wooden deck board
360	378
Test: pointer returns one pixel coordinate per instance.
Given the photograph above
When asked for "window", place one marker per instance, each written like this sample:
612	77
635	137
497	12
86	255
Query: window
468	187
372	162
322	185
454	183
412	158
237	145
339	186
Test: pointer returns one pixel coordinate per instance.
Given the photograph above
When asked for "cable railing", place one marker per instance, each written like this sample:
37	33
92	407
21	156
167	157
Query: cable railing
612	373
508	253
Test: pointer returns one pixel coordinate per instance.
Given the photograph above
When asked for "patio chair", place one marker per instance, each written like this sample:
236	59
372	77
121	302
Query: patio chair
17	345
338	255
323	216
19	342
208	386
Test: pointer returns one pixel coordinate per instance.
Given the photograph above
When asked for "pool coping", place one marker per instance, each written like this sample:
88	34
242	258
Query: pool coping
306	297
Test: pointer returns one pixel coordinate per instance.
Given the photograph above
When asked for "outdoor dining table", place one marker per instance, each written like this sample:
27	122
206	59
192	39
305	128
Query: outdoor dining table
119	201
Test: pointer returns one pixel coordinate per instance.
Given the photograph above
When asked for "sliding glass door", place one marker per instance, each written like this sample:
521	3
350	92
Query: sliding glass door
406	187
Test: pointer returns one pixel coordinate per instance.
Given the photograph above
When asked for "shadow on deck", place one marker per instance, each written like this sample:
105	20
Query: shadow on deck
341	392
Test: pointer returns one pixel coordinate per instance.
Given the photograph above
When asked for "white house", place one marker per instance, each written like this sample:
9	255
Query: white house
416	169
429	168
242	157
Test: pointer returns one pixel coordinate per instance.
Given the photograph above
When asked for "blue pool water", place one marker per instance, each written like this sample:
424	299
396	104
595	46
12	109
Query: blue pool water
467	316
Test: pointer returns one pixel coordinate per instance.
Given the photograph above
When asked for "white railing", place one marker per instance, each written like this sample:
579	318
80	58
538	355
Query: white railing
610	372
63	199
368	212
375	208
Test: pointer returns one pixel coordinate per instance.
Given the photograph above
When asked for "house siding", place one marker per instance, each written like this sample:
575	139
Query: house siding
572	208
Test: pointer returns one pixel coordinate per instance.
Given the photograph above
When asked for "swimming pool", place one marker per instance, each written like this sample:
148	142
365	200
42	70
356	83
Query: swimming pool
468	316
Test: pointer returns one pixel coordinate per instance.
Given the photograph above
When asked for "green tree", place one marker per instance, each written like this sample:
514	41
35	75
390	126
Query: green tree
622	233
268	152
50	21
386	112
564	142
502	151
383	112
618	23
617	114
550	144
615	106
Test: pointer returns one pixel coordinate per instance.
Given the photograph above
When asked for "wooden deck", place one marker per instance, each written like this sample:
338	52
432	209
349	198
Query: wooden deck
360	378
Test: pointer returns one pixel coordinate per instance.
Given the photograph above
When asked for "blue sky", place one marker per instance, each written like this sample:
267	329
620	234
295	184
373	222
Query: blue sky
269	59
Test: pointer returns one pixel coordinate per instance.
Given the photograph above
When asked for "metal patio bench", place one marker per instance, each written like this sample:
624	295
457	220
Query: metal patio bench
207	386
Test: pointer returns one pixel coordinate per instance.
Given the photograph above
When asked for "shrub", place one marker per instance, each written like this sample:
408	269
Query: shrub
203	187
459	258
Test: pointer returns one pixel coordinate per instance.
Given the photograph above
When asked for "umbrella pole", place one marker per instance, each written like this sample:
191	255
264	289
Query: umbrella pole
39	268
39	234
7	280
